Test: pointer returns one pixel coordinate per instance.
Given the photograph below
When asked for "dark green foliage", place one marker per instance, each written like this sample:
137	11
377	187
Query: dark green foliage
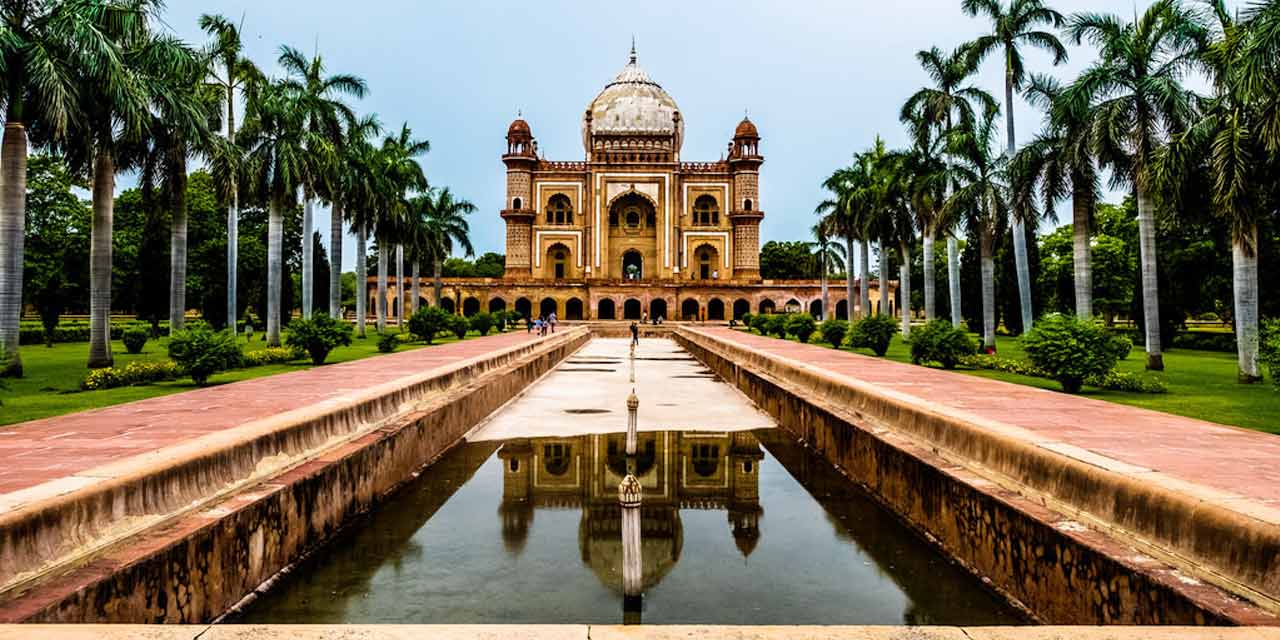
134	339
787	261
1111	381
482	322
201	352
500	320
388	342
1205	341
760	323
318	335
1269	349
459	326
1069	350
1121	345
488	265
802	326
941	342
746	320
833	332
428	322
873	332
776	324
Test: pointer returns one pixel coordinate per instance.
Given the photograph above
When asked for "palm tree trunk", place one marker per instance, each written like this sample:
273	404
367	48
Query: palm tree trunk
848	277
400	285
362	277
1081	205
178	243
884	278
275	264
233	218
904	289
953	278
436	283
335	260
864	277
413	302
308	253
104	186
382	286
13	219
1019	229
1150	280
987	252
826	298
1244	272
930	304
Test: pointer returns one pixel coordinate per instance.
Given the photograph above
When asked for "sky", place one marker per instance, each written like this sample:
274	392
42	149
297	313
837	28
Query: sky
820	79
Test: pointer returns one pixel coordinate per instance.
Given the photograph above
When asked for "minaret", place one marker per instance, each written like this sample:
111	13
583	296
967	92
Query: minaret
521	159
745	214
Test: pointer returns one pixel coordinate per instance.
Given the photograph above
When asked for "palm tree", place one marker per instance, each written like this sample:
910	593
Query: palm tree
226	51
1059	163
925	184
46	45
1241	154
1012	26
934	111
882	201
404	177
444	223
982	200
276	143
839	213
1135	93
828	256
350	190
324	116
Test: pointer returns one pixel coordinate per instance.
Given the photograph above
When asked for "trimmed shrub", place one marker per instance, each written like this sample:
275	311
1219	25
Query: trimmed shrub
428	322
135	338
201	352
269	355
1111	381
760	323
1205	341
746	320
776	324
802	326
874	332
388	342
1069	350
459	326
482	322
1269	349
318	335
941	342
134	373
500	320
833	332
1121	345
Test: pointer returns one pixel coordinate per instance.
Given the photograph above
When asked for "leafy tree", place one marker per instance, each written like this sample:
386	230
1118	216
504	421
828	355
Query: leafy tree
56	243
786	261
318	335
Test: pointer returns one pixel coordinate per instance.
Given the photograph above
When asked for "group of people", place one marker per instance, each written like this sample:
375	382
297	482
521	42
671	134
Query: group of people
541	324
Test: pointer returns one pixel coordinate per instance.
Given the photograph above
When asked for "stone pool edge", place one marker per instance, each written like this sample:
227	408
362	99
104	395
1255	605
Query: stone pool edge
1046	561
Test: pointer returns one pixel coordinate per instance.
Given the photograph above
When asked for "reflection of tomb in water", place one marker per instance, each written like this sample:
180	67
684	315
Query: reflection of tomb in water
676	469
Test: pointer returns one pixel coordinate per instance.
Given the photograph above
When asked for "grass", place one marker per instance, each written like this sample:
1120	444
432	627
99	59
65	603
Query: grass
1202	384
51	384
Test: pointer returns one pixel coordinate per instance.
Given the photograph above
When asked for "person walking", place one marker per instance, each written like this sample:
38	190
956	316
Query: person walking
528	324
635	334
552	319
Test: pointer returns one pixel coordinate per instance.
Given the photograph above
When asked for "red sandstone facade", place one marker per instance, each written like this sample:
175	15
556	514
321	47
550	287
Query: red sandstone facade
633	229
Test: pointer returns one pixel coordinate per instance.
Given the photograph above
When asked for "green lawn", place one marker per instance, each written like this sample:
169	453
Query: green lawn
51	384
1202	384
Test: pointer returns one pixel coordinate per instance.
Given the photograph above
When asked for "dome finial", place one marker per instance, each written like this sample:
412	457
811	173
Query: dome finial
633	48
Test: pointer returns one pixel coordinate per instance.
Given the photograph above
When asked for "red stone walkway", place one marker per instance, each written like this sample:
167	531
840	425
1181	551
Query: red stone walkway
1229	459
43	450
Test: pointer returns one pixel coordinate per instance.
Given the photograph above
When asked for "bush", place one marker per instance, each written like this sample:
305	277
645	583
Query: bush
482	322
500	320
873	332
427	322
1205	341
135	338
1121	345
1269	349
318	335
201	352
1069	350
134	373
802	326
776	324
459	326
833	332
746	320
269	355
1111	381
760	322
388	342
941	342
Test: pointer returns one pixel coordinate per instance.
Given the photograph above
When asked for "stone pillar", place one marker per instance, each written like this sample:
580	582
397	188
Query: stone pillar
632	573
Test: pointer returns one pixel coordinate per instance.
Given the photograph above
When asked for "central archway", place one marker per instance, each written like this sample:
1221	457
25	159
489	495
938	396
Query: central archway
632	265
547	307
715	309
573	309
605	310
631	309
689	309
657	309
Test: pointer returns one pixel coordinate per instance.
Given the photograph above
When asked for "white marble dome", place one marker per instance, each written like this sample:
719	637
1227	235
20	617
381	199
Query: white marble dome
633	104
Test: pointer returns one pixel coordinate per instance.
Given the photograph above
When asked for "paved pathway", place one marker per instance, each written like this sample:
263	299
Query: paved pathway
1229	459
42	450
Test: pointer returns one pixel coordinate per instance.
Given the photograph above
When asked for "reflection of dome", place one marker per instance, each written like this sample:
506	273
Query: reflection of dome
633	104
744	521
600	540
746	129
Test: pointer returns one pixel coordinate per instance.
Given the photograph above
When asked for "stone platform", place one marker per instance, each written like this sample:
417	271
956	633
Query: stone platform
1203	498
